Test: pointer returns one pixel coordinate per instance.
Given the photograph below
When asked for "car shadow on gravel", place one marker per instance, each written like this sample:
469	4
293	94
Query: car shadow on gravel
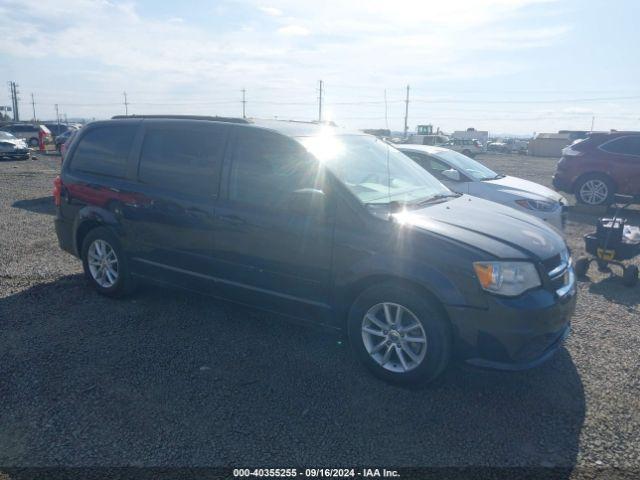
42	205
614	291
176	379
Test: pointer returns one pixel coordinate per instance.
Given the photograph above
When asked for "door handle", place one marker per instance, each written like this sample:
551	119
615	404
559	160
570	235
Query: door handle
232	219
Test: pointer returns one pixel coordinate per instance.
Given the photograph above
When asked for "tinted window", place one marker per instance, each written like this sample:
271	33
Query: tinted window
624	145
433	166
104	150
183	160
267	168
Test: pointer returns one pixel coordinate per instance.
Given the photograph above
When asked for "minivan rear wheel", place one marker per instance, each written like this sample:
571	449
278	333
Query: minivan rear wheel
105	265
399	334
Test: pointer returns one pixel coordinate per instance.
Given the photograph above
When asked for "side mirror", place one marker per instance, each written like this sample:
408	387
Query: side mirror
452	174
308	201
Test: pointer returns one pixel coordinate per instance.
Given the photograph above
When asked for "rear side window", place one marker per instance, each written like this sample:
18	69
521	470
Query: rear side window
103	150
185	160
624	145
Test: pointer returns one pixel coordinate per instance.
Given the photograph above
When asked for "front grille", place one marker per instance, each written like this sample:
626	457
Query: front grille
558	271
551	263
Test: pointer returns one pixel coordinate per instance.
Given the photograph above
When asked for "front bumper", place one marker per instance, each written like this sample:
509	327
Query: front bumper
561	183
20	154
557	218
514	333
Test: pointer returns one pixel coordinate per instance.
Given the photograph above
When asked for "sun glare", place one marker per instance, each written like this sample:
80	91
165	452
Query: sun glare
326	146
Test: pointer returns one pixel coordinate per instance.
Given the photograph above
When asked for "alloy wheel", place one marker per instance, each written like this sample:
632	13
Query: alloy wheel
394	337
594	192
103	263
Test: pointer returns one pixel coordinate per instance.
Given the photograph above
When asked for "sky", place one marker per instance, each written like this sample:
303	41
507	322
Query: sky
507	66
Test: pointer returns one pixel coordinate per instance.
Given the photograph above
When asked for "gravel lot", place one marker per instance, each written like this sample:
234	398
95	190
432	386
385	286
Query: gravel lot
174	379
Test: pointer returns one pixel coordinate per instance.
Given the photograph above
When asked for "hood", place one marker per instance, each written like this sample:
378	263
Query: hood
496	229
17	142
521	188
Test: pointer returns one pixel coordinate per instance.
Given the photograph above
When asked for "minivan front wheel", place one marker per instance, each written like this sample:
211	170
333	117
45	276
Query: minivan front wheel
399	334
104	263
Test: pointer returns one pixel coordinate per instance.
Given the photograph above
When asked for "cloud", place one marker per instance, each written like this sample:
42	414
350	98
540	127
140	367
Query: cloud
112	45
272	11
294	31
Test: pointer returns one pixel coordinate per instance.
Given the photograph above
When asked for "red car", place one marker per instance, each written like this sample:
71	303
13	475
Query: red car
599	166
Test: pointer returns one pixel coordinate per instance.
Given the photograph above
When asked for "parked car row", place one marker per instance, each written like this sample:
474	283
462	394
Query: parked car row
34	134
324	225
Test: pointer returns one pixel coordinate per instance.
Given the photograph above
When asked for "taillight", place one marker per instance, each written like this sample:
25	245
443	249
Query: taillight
570	152
57	191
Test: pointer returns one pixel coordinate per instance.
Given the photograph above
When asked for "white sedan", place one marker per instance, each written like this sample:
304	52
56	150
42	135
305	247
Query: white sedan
465	175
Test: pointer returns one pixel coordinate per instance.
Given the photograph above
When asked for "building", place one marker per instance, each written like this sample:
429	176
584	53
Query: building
549	144
472	134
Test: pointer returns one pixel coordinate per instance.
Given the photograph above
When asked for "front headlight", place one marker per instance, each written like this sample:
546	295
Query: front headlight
540	205
507	278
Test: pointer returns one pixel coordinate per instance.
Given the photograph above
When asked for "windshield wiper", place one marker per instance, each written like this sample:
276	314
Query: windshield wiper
435	198
497	177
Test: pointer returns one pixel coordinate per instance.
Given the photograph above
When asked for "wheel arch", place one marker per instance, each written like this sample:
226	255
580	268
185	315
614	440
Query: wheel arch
88	219
600	173
356	288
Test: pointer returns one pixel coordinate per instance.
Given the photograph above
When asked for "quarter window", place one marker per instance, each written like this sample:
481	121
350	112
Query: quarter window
104	150
624	145
183	160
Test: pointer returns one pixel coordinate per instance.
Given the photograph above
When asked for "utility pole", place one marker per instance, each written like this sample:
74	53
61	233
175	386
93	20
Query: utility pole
33	104
593	119
126	104
244	104
57	117
320	103
406	114
386	110
13	87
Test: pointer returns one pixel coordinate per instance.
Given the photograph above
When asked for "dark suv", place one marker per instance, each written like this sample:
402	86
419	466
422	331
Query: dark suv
598	167
319	224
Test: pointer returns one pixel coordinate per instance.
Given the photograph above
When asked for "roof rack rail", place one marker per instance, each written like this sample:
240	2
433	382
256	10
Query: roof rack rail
185	117
330	123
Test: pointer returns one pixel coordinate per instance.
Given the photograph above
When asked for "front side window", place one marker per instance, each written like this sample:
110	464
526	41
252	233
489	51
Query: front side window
103	150
624	145
183	160
471	168
268	168
372	170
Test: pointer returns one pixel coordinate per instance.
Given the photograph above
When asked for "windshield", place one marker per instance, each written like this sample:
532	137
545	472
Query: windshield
7	136
375	172
466	165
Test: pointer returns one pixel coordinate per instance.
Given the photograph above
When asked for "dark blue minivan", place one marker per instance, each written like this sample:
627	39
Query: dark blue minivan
320	224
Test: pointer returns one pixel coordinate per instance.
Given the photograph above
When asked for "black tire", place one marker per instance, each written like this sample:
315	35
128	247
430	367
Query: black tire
630	276
582	266
34	142
124	283
430	316
581	196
